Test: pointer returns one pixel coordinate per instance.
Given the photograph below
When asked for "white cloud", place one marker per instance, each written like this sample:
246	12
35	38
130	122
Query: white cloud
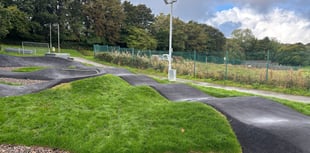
284	25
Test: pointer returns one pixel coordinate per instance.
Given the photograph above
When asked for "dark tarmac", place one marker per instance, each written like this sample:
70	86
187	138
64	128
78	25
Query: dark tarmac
58	71
261	125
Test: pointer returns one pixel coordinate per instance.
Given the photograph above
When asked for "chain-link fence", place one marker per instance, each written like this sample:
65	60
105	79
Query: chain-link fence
204	66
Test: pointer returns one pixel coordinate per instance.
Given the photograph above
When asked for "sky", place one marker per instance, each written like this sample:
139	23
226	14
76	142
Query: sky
288	21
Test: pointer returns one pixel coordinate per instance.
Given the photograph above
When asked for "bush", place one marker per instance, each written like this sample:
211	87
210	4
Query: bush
86	52
125	59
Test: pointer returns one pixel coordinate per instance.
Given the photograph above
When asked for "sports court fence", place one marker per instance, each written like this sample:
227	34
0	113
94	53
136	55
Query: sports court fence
204	66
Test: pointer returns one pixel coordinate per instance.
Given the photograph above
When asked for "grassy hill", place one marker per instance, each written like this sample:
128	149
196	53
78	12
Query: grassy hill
106	114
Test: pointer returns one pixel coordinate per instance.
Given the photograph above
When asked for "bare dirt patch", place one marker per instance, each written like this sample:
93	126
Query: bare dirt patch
25	149
21	81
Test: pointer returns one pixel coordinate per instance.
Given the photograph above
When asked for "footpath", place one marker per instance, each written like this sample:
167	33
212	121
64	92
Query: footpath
302	99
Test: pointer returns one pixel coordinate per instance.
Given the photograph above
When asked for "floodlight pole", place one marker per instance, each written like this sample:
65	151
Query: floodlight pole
170	37
170	33
49	51
58	38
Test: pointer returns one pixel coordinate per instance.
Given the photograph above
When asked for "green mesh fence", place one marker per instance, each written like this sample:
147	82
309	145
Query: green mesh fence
204	66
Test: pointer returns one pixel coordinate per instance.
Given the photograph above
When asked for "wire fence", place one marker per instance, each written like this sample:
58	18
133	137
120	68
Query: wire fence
204	66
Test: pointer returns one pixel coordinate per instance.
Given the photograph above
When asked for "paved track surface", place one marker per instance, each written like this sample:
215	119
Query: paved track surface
59	71
180	92
136	80
262	126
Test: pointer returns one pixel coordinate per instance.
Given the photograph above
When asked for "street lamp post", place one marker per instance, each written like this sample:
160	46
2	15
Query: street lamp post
58	38
170	36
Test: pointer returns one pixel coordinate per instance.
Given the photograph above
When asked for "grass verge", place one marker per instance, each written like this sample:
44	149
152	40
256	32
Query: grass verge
29	69
303	108
106	114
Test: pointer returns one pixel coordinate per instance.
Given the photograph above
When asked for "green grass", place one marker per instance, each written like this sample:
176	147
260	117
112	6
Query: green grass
106	114
300	107
220	93
29	69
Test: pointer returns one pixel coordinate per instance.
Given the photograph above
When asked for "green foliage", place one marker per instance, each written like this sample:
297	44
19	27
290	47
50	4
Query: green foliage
140	39
105	114
125	59
105	18
295	54
13	20
188	36
138	16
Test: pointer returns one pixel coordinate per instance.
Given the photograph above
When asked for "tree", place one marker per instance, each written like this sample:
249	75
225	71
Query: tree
139	16
216	41
5	19
104	19
234	49
246	39
196	37
13	21
140	39
160	30
294	54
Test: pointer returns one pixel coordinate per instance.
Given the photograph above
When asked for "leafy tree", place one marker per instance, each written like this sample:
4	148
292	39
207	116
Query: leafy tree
160	30
140	39
234	49
246	39
196	37
5	19
216	41
139	16
13	21
104	19
294	54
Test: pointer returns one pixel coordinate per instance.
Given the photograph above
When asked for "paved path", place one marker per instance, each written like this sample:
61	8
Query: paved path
302	99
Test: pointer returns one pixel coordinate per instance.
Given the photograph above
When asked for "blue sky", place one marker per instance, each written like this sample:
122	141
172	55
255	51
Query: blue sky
288	21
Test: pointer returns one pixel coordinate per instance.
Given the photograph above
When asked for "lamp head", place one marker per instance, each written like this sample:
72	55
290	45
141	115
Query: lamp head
170	1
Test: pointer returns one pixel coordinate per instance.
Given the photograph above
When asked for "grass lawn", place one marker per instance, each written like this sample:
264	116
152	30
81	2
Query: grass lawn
106	114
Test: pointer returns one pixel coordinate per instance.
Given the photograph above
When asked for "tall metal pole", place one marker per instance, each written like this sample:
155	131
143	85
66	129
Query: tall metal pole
58	38
170	38
226	62
49	51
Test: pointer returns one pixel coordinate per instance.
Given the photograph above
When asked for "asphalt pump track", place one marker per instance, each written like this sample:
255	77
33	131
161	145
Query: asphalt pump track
261	125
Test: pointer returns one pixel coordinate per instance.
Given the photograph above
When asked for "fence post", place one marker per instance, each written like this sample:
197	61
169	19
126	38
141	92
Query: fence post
132	56
226	62
267	65
194	63
95	50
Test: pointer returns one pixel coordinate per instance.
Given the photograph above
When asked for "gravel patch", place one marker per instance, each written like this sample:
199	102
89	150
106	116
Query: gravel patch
25	149
9	68
21	81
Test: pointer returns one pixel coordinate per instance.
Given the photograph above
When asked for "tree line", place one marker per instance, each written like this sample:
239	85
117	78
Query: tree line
111	22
